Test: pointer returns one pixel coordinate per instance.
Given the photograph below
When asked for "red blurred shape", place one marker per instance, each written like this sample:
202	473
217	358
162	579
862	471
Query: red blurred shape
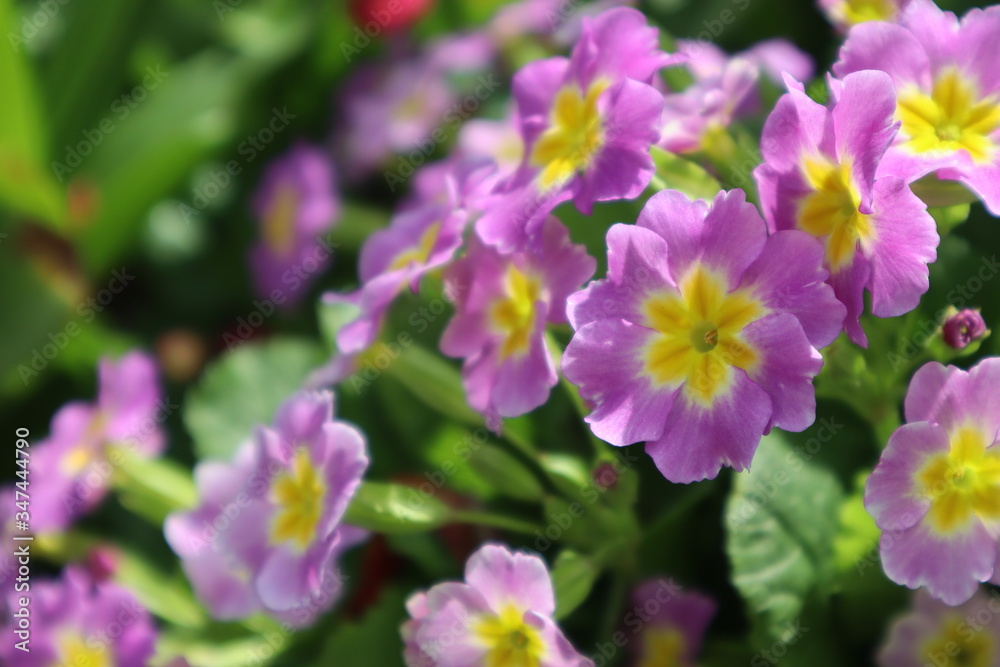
388	15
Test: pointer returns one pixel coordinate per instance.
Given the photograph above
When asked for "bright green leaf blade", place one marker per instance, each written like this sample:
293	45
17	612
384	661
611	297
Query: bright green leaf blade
394	508
435	382
572	577
505	473
781	520
676	173
26	183
244	388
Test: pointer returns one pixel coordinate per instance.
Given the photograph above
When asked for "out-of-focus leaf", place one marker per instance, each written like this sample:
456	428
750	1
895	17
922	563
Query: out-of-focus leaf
27	185
394	508
676	173
152	488
858	536
435	382
167	597
573	575
36	318
505	473
374	640
449	453
244	388
781	521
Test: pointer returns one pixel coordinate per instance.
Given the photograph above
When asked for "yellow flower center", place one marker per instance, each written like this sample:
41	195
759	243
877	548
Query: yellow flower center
952	118
662	647
513	315
574	136
963	483
974	649
279	219
510	642
831	210
419	254
859	11
85	452
699	334
74	652
299	494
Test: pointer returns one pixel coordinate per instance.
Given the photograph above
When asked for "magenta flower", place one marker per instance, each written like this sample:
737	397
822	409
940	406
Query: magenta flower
76	621
724	89
703	335
268	532
935	492
947	93
673	633
407	103
498	140
500	615
847	13
82	437
422	237
963	328
503	303
819	176
587	122
932	633
296	204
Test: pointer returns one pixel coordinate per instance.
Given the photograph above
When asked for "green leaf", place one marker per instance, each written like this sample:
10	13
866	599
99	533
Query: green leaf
167	597
374	640
674	172
781	520
394	508
243	388
505	473
858	534
435	382
573	577
152	488
27	185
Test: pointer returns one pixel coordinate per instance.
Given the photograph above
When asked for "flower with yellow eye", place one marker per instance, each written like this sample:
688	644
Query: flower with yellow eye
819	176
268	532
947	94
503	303
704	334
936	489
500	616
587	123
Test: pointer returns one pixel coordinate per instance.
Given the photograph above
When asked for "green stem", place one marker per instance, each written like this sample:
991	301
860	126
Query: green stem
490	520
600	449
